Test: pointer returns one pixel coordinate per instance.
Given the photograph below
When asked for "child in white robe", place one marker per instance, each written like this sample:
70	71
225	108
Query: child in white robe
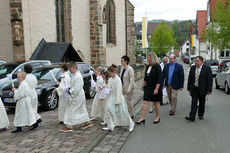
97	110
76	112
116	108
4	121
32	82
62	92
24	113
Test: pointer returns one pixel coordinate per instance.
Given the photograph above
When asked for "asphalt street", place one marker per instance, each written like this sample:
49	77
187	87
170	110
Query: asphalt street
174	134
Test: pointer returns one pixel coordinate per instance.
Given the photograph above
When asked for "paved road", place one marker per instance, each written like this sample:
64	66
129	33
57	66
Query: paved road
176	135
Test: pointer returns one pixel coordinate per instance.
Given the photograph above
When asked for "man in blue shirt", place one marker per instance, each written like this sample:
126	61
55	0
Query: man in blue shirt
173	78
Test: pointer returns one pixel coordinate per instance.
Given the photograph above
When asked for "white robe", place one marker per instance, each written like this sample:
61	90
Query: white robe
76	112
116	108
98	106
24	113
32	82
63	95
4	121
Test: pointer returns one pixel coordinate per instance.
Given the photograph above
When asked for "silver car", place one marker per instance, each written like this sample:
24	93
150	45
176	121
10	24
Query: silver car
223	79
214	66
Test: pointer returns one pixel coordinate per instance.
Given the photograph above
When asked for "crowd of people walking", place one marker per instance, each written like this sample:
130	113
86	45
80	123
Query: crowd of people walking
113	102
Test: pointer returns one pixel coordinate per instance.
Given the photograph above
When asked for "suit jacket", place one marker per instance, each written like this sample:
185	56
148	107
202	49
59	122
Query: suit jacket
205	79
128	78
177	77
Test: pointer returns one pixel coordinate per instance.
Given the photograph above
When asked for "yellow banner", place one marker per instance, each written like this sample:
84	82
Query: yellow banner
144	32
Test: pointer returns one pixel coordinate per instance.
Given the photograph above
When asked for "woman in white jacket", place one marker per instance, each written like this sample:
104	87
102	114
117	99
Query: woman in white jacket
4	121
62	92
116	113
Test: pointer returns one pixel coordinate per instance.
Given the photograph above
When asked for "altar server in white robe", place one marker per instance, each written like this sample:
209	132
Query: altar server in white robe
97	110
116	108
32	82
4	121
62	92
24	113
76	112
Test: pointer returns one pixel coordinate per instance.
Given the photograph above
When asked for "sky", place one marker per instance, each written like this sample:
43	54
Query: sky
168	9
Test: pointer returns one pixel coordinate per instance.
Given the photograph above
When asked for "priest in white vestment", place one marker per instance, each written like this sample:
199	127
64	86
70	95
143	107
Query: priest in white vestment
4	121
62	92
76	112
116	108
32	82
24	113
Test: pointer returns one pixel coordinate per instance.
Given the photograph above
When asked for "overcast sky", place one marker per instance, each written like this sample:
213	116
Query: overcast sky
168	9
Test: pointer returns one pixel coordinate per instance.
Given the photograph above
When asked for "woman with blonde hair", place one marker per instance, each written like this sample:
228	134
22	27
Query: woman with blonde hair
152	87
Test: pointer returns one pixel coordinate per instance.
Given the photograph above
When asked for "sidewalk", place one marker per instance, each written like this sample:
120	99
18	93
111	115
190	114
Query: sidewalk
47	137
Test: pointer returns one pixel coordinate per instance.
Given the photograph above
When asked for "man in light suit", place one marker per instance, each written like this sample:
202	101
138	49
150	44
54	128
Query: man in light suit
173	78
199	85
127	79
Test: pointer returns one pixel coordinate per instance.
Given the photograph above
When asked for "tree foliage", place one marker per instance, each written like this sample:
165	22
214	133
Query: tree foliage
162	40
181	32
218	30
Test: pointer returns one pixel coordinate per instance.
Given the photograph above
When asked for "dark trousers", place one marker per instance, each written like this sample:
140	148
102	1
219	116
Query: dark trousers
195	97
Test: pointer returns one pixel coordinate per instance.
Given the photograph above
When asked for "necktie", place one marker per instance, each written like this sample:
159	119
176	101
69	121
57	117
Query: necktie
197	76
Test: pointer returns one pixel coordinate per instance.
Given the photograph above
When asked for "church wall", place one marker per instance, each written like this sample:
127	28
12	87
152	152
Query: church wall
6	49
39	20
115	52
81	27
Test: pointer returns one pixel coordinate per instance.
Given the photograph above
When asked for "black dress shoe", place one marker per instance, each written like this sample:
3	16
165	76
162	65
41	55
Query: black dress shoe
189	118
39	120
156	122
201	117
35	125
61	122
141	122
19	129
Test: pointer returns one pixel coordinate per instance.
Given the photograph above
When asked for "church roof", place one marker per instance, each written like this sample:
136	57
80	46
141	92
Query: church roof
55	52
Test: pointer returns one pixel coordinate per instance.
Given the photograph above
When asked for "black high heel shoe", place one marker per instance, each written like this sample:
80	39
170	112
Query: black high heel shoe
141	122
156	122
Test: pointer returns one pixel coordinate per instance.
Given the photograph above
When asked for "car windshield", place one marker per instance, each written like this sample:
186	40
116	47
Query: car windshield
45	74
211	63
6	69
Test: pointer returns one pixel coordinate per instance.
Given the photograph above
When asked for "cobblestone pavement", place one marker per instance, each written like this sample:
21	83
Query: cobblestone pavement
47	138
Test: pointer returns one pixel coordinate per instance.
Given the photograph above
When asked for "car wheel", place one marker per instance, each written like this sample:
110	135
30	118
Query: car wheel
51	101
226	89
217	86
91	92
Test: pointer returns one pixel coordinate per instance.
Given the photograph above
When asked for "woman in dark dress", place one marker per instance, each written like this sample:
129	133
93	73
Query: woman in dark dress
152	88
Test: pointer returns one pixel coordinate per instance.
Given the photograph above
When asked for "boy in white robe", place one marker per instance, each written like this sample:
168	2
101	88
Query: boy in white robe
62	92
32	82
116	108
24	113
4	121
76	112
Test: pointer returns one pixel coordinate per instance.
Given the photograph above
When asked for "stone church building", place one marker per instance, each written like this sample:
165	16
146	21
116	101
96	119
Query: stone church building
101	31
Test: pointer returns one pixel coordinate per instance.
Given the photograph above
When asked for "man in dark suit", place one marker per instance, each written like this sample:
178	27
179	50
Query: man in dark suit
199	85
173	75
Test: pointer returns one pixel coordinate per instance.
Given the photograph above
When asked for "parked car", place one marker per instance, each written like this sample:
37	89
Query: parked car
2	62
214	66
222	64
46	84
191	59
223	79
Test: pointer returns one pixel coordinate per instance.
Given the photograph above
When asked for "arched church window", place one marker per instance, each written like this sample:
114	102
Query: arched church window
109	17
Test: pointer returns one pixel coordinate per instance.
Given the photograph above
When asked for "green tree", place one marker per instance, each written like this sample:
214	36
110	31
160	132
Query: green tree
162	40
218	30
181	32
